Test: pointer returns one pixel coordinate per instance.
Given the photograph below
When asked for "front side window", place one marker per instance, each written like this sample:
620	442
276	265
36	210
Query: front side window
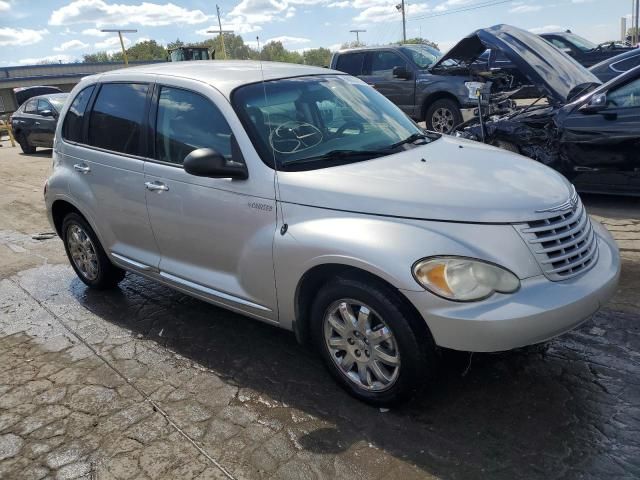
321	121
351	63
187	121
116	120
31	107
383	63
72	126
43	105
626	96
560	44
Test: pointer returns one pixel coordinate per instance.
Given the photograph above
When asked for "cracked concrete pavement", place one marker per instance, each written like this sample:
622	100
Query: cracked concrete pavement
144	382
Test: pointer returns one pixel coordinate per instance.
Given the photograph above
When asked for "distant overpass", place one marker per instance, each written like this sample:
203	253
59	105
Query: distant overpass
61	75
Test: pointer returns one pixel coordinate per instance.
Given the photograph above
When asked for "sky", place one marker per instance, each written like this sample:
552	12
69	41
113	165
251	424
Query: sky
62	30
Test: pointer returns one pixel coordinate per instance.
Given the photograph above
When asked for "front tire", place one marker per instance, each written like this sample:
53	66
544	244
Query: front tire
25	145
86	255
370	342
443	116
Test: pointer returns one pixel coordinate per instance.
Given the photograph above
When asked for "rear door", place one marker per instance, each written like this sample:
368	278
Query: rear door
28	120
603	147
379	73
107	159
215	235
351	63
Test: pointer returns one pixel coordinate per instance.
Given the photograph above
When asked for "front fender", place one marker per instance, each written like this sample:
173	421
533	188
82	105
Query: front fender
384	247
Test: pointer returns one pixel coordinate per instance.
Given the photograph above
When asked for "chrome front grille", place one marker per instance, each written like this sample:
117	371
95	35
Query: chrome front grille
564	243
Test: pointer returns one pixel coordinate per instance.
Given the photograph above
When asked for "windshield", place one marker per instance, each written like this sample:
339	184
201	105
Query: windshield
321	121
582	43
422	55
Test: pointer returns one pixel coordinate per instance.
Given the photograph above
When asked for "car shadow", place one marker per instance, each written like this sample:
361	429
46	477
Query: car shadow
47	152
612	206
524	413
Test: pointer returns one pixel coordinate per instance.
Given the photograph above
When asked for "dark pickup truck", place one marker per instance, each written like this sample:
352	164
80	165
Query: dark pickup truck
583	51
405	75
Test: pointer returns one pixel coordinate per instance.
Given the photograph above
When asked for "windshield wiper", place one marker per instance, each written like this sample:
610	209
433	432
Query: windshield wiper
410	139
337	155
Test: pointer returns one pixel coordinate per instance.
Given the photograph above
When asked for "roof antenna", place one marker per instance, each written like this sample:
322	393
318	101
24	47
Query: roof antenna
284	227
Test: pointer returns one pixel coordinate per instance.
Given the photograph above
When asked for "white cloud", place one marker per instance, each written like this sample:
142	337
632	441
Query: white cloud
526	9
47	59
386	11
343	4
71	45
112	42
287	40
4	6
100	12
547	29
94	32
451	4
238	28
20	36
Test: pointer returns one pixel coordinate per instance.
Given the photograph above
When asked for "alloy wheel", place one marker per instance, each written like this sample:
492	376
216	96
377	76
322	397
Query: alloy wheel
82	251
361	345
443	120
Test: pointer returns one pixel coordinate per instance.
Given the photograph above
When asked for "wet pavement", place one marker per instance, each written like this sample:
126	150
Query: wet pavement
144	382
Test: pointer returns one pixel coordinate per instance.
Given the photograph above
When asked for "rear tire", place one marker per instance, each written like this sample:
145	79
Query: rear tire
25	145
443	115
379	356
86	255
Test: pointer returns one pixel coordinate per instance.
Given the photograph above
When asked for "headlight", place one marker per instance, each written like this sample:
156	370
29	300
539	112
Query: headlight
463	279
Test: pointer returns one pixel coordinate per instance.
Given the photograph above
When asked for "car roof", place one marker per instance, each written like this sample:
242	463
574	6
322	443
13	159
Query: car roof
47	96
225	75
369	47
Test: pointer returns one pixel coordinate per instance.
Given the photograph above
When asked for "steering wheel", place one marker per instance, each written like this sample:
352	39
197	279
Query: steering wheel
347	124
294	136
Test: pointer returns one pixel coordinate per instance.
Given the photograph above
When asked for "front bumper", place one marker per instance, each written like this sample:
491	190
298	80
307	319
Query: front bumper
540	310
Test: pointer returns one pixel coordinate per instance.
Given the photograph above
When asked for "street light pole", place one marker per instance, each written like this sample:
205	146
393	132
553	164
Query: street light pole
120	32
404	24
637	31
357	32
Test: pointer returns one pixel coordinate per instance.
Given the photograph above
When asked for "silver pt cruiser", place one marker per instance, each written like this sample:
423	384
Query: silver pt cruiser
303	198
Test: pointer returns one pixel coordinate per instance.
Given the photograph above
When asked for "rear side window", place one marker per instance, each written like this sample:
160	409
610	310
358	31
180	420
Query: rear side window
31	106
72	126
187	121
350	63
116	119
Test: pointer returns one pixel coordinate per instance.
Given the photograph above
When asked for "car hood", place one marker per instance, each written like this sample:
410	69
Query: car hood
450	179
546	67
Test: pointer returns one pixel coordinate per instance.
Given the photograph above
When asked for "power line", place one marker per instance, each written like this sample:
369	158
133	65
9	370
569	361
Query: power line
468	8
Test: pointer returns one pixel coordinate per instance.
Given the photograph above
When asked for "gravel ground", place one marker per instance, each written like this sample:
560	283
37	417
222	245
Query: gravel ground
144	382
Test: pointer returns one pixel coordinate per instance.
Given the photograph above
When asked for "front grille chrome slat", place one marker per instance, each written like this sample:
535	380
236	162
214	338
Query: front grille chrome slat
563	243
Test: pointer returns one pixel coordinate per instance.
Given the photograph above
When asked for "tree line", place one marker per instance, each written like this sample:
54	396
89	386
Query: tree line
235	48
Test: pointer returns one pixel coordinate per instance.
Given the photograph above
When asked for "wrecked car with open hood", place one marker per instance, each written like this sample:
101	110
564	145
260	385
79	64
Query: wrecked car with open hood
588	131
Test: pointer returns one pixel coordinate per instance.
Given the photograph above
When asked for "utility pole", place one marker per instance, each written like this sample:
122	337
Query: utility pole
221	33
404	24
637	30
357	32
120	32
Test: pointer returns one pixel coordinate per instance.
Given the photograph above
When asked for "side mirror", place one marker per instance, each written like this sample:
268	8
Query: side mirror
596	103
401	72
206	162
48	113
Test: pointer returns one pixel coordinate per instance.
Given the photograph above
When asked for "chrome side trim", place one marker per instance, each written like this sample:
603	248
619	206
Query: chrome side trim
133	263
212	292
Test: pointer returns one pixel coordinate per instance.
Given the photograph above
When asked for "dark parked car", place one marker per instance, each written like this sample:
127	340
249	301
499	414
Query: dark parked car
588	131
25	93
34	123
586	53
405	75
611	68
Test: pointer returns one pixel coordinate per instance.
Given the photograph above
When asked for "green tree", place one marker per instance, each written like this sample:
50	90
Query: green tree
147	50
102	57
422	41
275	52
320	57
234	46
353	44
175	44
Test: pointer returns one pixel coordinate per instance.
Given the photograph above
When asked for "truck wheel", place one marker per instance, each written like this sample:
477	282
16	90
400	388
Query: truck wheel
87	256
365	336
24	144
443	115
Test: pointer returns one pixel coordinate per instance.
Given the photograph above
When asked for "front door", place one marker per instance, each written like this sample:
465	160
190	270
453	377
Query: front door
400	91
602	148
215	235
45	125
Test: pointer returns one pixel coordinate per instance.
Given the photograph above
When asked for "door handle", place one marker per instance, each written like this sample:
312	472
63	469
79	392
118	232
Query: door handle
37	123
156	187
82	168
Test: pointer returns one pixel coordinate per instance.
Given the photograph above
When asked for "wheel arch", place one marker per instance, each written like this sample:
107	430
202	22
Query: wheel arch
433	97
316	277
60	208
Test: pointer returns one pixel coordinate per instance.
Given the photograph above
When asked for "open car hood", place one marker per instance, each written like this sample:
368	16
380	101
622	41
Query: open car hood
546	67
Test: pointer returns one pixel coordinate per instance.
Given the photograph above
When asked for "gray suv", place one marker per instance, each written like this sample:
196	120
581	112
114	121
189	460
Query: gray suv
301	197
403	74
